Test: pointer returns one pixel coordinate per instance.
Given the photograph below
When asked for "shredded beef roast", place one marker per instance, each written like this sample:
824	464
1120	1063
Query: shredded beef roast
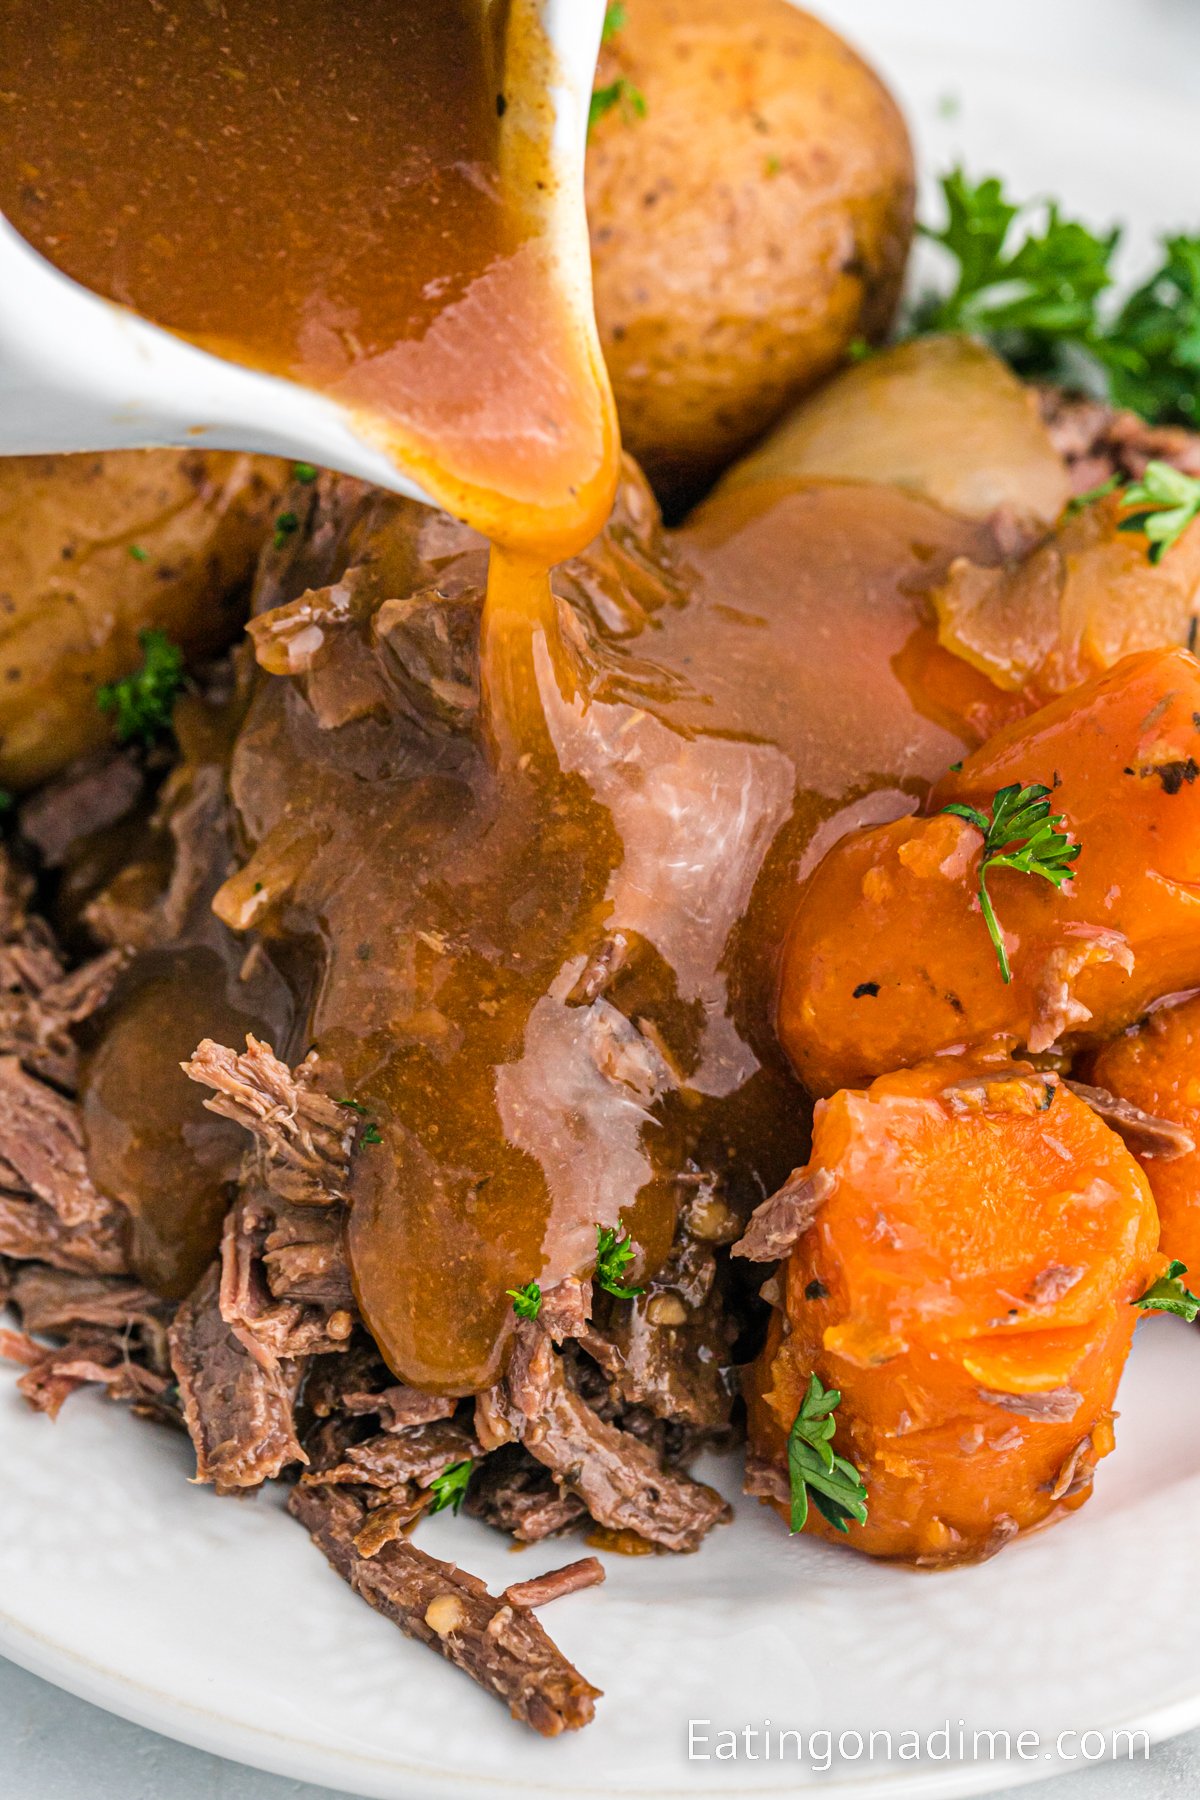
1143	1132
516	1495
302	1138
397	1460
49	1209
237	1406
619	1480
556	1584
1097	441
501	1646
668	1351
87	797
778	1224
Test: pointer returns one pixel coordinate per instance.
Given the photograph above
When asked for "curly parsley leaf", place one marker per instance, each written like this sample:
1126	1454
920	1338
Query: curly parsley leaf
834	1484
1165	502
1151	350
450	1487
1168	1294
1019	833
144	701
1028	294
614	1253
1033	284
527	1301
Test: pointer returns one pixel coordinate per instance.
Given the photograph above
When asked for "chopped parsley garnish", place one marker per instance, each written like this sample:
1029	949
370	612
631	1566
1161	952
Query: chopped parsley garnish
527	1301
1168	1294
354	1105
771	167
138	554
305	472
621	92
614	1253
285	525
7	801
615	16
1020	834
813	1468
371	1135
144	701
1165	502
450	1487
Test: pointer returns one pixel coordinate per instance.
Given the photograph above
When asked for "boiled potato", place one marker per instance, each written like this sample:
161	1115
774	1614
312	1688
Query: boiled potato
746	226
941	416
94	549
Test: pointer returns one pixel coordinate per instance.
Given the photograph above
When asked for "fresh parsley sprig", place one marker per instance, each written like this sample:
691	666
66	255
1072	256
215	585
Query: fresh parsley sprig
1166	501
1036	286
144	701
1030	293
614	1253
1019	833
1151	350
527	1301
834	1483
1169	1295
450	1487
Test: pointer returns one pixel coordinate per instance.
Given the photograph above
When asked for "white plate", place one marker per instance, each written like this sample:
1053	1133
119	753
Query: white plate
217	1623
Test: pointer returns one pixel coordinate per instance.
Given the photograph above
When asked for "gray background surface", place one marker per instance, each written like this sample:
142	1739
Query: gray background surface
54	1747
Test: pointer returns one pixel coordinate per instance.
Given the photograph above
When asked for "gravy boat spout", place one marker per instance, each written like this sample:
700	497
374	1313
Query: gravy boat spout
79	373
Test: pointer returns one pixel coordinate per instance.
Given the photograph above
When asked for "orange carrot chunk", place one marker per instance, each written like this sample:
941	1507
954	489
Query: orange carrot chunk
1156	1066
966	1285
889	960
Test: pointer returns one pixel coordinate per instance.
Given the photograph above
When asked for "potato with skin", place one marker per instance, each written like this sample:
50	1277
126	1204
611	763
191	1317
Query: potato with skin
967	1285
95	549
1156	1066
745	230
888	958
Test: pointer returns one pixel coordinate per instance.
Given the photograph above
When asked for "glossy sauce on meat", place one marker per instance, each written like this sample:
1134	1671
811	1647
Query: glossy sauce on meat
546	978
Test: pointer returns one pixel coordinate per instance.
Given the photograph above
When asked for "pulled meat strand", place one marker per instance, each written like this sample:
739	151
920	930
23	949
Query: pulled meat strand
238	1408
501	1646
1143	1132
780	1221
619	1480
302	1137
556	1584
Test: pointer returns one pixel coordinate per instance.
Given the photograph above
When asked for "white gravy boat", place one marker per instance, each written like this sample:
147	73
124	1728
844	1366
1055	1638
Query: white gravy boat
79	373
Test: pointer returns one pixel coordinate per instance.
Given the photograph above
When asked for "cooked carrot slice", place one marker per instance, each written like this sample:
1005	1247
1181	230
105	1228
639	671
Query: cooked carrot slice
966	1286
1157	1067
888	959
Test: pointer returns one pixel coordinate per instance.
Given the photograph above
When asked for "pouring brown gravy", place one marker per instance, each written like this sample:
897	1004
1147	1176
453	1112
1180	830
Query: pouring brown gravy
519	868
